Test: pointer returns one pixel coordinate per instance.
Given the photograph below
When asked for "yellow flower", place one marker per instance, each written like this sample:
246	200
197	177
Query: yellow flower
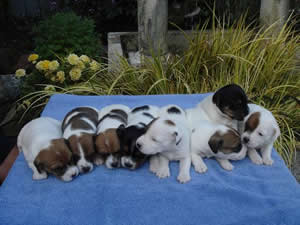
33	57
20	73
60	76
75	74
49	88
84	58
53	65
81	65
43	65
73	59
94	65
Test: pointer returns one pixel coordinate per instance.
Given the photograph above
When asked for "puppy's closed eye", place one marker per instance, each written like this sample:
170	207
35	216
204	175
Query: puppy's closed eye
154	139
260	134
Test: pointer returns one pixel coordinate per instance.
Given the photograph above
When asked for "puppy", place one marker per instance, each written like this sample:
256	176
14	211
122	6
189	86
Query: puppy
260	132
107	140
45	150
226	106
138	119
215	140
79	128
168	138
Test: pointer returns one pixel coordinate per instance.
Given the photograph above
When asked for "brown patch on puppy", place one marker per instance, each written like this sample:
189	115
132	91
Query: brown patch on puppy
86	112
169	122
86	141
54	159
252	122
107	142
228	142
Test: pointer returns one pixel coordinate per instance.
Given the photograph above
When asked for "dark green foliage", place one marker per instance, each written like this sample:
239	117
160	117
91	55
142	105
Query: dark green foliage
65	33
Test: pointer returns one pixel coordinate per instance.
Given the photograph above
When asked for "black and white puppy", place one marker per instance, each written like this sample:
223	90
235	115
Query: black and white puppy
226	106
138	119
168	138
260	132
79	128
113	118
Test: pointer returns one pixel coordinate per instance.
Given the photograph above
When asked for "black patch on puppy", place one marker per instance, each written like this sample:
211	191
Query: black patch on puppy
148	115
120	112
128	137
173	110
140	108
113	116
232	101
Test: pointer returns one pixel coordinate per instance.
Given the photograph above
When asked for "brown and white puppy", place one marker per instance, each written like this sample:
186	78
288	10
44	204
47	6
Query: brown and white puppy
79	128
107	140
218	141
45	150
260	132
226	106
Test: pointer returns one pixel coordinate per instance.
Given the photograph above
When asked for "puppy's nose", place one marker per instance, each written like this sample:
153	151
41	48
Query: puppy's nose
246	140
86	169
114	164
128	165
138	145
74	175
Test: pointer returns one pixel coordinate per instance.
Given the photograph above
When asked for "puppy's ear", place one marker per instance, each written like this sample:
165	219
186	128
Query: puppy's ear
39	164
215	143
121	130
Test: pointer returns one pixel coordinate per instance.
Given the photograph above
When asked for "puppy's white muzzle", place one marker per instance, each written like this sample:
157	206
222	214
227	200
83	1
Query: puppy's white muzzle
70	174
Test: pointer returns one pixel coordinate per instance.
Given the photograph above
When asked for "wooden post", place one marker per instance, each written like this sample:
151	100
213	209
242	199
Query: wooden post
272	11
152	26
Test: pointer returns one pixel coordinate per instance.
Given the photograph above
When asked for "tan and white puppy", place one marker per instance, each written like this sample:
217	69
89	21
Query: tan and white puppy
45	150
107	140
260	132
168	138
226	106
79	128
218	141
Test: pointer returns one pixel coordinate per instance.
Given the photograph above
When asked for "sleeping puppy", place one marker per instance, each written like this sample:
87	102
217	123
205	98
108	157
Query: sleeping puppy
260	132
226	106
215	140
79	128
168	138
45	150
138	119
107	140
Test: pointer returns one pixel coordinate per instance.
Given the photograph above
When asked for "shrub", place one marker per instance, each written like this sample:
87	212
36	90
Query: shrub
64	33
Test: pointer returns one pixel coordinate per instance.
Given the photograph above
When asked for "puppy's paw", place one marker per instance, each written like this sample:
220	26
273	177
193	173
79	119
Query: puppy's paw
183	178
257	160
98	161
39	176
227	166
268	161
200	168
163	172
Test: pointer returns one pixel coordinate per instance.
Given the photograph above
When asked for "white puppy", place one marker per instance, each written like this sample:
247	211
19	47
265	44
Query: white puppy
168	137
79	128
45	150
107	140
215	140
260	132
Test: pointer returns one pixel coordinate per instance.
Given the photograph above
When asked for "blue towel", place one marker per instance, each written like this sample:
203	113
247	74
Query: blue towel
249	195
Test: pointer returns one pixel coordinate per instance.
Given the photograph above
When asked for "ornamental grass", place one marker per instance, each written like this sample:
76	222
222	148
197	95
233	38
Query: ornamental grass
262	63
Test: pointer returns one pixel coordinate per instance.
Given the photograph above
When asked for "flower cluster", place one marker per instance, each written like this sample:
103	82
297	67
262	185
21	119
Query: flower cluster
70	69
